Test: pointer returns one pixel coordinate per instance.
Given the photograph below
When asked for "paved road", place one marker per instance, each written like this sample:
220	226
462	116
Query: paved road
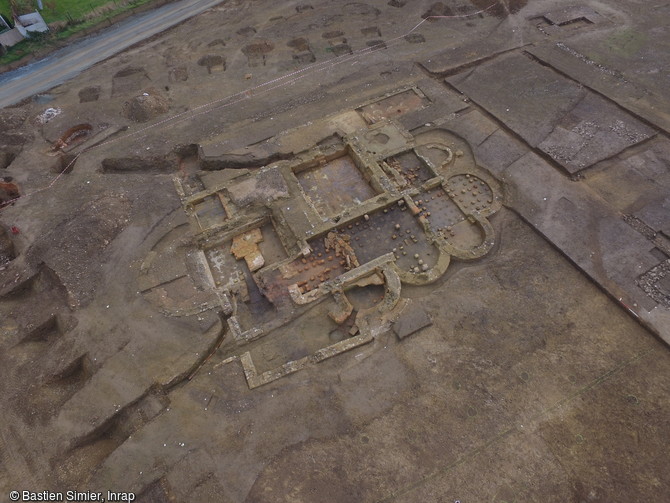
65	63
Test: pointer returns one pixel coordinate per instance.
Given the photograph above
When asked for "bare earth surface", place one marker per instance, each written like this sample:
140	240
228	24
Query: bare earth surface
346	252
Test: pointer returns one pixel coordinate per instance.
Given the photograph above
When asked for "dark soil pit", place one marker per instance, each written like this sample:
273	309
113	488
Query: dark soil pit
303	8
341	49
371	31
139	164
178	74
500	9
247	31
65	164
129	80
376	44
213	62
415	38
257	52
186	151
10	138
89	94
7	251
259	47
333	34
6	158
299	44
46	332
304	58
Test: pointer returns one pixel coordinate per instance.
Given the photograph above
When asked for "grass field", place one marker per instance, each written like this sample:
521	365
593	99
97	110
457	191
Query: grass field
56	10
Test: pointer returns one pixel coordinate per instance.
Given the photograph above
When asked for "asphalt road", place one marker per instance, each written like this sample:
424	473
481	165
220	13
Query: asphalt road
69	61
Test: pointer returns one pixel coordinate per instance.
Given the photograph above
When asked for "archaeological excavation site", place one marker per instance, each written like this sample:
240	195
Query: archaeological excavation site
342	252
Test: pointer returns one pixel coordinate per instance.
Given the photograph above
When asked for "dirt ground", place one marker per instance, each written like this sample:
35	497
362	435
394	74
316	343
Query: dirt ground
544	372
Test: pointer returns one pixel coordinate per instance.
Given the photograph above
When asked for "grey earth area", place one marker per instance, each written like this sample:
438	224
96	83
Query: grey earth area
384	251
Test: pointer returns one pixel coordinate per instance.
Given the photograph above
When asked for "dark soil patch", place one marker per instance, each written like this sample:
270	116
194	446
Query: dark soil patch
89	94
438	9
498	9
260	47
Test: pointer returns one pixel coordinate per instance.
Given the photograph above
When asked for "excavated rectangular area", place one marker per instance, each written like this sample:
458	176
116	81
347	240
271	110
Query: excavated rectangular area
393	106
333	186
210	212
305	335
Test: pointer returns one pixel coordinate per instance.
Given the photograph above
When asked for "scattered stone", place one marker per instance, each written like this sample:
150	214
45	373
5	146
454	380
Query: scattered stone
48	114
